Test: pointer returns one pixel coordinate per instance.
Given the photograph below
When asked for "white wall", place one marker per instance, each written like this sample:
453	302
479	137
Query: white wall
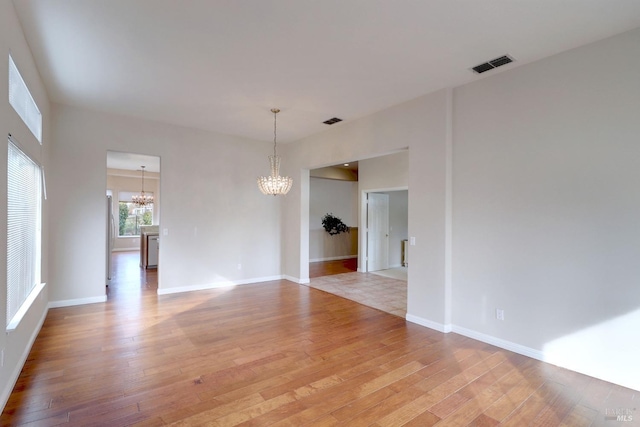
217	219
341	199
17	343
384	172
523	196
547	207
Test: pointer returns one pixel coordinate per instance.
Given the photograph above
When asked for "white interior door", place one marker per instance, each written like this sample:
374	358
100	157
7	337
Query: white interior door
377	231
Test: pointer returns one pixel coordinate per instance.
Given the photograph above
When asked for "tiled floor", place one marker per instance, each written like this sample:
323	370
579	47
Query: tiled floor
383	293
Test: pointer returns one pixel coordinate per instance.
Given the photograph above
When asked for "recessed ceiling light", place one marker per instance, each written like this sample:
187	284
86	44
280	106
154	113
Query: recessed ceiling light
346	164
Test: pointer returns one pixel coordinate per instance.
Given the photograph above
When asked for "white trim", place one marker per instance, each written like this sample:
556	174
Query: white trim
333	258
479	336
512	346
296	280
448	212
24	308
13	377
499	342
78	301
220	284
428	323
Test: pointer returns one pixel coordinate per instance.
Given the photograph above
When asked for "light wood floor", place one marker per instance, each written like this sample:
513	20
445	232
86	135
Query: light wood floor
281	354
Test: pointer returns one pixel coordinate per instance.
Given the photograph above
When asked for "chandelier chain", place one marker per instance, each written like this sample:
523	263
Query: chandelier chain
275	128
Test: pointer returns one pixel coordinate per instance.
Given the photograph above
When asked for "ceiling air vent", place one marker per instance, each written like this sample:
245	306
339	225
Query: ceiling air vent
494	63
332	121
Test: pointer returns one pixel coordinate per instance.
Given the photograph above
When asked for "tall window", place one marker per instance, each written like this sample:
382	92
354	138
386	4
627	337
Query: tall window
21	100
130	216
24	208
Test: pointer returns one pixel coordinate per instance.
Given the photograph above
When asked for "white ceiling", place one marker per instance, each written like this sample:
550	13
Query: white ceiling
130	161
221	65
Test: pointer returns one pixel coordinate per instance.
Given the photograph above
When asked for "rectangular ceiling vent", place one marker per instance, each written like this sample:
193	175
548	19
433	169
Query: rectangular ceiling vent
332	121
494	63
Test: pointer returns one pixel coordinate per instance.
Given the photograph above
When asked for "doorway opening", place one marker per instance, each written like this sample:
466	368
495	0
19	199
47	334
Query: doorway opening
388	294
333	191
386	219
132	253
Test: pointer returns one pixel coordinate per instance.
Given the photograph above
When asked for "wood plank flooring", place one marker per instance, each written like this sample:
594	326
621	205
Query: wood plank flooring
281	354
328	268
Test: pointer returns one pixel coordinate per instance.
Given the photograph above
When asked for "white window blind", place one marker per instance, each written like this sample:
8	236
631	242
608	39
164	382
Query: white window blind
21	100
24	207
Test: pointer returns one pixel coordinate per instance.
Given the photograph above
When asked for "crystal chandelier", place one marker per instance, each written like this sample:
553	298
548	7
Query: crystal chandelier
275	184
142	199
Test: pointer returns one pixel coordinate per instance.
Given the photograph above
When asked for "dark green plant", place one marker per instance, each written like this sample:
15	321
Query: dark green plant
334	225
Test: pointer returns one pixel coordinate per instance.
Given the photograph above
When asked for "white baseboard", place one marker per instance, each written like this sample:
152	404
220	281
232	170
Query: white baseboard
13	378
440	327
79	301
220	284
499	342
333	258
516	348
296	280
539	355
479	336
136	249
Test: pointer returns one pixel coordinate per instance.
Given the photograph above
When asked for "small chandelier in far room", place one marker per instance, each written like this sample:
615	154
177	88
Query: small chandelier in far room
142	199
275	184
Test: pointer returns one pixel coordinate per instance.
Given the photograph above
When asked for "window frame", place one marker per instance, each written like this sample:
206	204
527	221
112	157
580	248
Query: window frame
22	101
20	293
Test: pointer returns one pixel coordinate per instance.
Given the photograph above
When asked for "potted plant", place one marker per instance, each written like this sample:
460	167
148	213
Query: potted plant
334	225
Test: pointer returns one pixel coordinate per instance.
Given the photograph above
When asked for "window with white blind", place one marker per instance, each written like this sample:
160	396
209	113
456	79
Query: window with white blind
24	210
21	100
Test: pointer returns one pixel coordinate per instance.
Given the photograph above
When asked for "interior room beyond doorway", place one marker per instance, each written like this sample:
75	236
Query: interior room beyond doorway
334	258
133	216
